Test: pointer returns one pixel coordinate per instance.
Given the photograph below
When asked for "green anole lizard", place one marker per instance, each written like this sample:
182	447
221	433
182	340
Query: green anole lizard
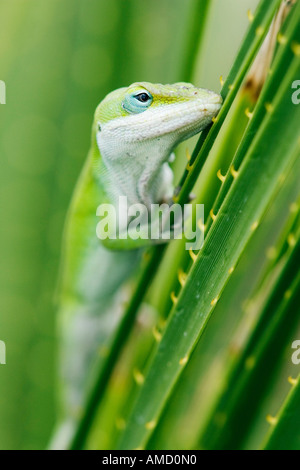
134	133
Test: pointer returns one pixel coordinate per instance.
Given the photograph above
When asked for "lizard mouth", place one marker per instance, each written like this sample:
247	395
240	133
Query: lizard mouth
187	119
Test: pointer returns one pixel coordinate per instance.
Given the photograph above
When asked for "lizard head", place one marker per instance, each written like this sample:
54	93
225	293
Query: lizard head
136	130
152	112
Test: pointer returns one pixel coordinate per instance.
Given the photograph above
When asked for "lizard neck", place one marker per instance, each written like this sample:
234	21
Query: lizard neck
140	172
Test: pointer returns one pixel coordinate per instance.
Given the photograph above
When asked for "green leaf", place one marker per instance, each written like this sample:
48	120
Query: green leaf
248	49
285	433
250	374
241	211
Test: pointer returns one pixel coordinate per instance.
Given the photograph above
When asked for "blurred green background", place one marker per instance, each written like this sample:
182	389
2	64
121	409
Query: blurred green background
59	59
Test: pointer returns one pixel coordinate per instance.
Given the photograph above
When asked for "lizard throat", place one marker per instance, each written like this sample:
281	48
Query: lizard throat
144	178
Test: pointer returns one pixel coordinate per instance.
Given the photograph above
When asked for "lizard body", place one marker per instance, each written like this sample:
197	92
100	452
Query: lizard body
135	131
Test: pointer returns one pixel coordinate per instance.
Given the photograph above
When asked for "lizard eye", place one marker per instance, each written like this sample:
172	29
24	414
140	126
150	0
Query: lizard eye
136	103
143	97
99	127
